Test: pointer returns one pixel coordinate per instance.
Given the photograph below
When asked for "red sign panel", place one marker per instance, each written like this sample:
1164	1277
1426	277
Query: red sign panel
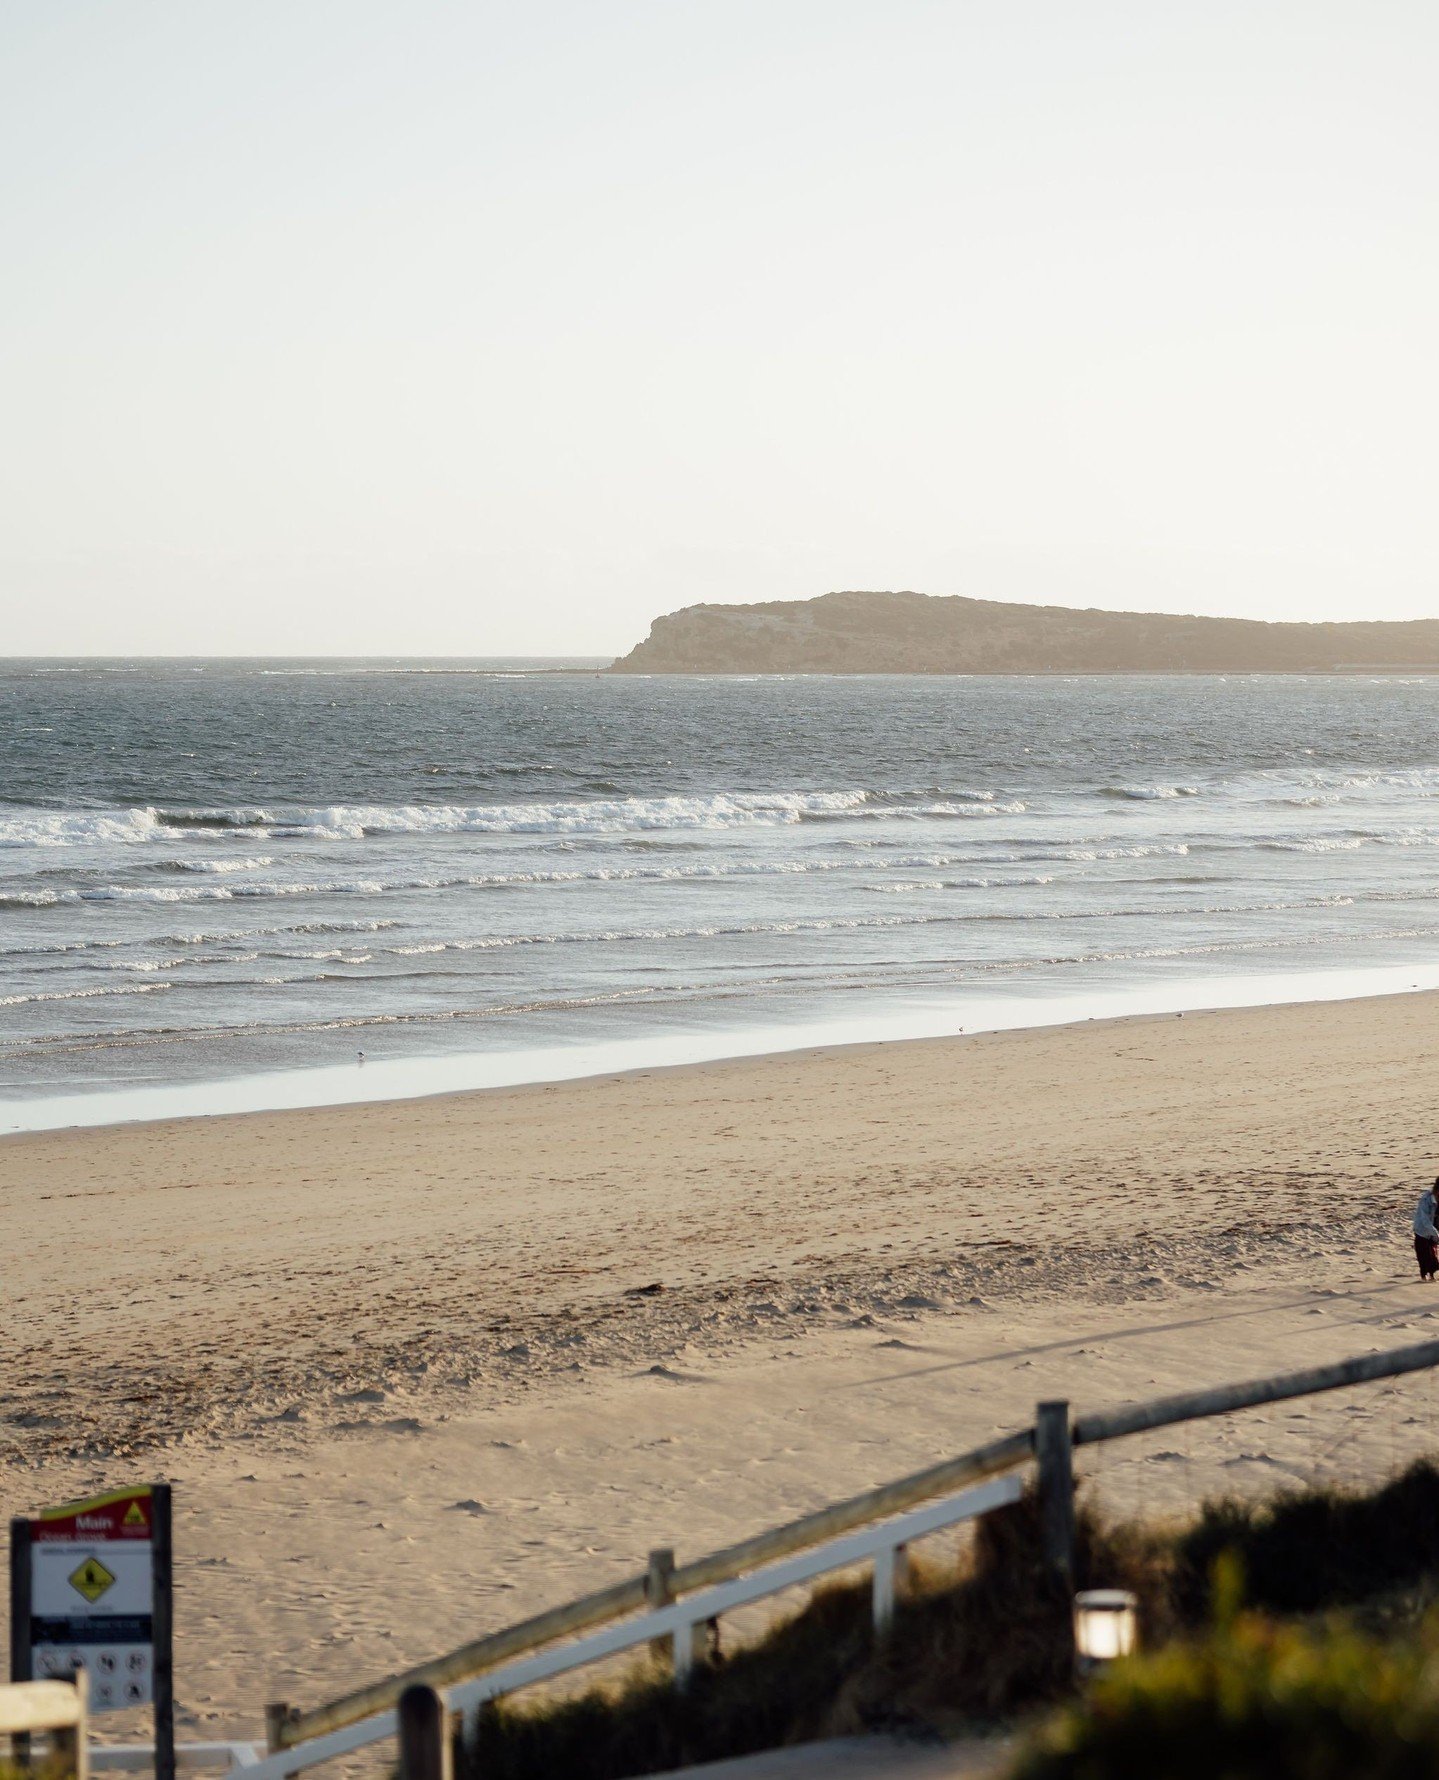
123	1514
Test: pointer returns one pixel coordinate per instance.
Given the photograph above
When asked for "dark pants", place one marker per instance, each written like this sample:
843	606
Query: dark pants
1427	1250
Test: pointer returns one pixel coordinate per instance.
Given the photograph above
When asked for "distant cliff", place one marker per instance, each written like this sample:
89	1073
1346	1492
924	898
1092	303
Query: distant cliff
915	633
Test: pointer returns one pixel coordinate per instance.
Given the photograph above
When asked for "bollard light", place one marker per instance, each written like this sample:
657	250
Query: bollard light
1105	1626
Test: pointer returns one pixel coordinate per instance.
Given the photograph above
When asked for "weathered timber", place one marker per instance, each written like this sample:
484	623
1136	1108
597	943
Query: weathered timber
59	1707
30	1706
1053	1449
659	1591
424	1736
1113	1424
277	1713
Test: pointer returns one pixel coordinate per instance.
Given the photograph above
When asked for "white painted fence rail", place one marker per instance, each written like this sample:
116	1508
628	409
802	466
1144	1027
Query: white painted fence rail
139	1758
679	1621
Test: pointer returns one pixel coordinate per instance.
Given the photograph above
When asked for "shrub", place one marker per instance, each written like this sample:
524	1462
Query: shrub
1317	1547
1254	1701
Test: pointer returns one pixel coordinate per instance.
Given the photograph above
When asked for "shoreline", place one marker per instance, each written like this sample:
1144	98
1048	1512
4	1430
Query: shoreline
398	1081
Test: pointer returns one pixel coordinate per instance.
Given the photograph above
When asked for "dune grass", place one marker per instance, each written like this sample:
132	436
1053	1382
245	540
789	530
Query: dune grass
977	1643
1309	1549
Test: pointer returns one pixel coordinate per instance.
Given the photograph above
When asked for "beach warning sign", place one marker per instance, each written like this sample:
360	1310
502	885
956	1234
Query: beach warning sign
92	1579
90	1588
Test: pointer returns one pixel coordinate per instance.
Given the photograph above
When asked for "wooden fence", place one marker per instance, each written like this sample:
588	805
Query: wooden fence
56	1709
675	1602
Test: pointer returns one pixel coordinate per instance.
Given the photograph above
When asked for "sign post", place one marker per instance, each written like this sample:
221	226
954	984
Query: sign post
90	1588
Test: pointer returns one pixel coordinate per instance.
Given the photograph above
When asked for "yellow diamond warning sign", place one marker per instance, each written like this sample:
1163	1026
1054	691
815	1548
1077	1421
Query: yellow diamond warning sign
91	1579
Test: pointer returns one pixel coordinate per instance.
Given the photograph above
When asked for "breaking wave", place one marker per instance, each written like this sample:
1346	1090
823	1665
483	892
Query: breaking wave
565	816
535	850
83	994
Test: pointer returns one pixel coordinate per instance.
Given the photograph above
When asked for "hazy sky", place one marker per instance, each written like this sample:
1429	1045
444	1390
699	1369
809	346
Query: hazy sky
394	326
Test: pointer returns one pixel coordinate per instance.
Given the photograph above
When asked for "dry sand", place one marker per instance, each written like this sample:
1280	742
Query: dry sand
420	1368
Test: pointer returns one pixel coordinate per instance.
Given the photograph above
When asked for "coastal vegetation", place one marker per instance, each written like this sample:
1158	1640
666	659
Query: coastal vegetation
1253	1699
1336	1584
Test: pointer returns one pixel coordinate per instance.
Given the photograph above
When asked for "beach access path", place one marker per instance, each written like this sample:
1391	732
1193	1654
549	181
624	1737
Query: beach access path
865	1758
420	1369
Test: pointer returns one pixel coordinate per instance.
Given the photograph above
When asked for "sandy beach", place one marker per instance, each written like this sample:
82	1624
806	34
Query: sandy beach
419	1368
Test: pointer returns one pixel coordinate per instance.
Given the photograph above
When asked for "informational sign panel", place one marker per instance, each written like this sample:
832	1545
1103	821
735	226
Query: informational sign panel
90	1588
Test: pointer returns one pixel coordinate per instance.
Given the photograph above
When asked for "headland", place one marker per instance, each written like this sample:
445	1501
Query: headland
916	633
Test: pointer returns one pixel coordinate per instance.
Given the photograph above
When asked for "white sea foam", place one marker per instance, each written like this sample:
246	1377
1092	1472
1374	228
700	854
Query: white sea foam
574	816
77	828
197	893
255	889
1314	843
1157	849
1150	793
152	893
82	994
620	935
221	866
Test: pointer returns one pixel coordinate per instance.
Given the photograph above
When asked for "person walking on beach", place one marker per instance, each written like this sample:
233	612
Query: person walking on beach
1426	1233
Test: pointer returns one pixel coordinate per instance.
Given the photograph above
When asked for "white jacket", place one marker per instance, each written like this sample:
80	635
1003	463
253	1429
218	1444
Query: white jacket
1424	1211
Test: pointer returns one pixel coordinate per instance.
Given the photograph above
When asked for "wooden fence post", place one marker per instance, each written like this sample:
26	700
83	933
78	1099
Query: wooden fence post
687	1646
72	1744
425	1752
163	1628
891	1579
1053	1450
277	1712
659	1590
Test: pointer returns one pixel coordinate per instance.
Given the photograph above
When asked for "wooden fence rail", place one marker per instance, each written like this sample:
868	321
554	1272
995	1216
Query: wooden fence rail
1114	1424
30	1708
325	1731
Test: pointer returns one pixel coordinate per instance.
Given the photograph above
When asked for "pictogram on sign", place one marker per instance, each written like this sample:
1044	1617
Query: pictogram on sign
92	1579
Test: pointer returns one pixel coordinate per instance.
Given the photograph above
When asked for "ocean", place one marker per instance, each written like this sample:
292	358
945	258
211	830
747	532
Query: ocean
221	871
